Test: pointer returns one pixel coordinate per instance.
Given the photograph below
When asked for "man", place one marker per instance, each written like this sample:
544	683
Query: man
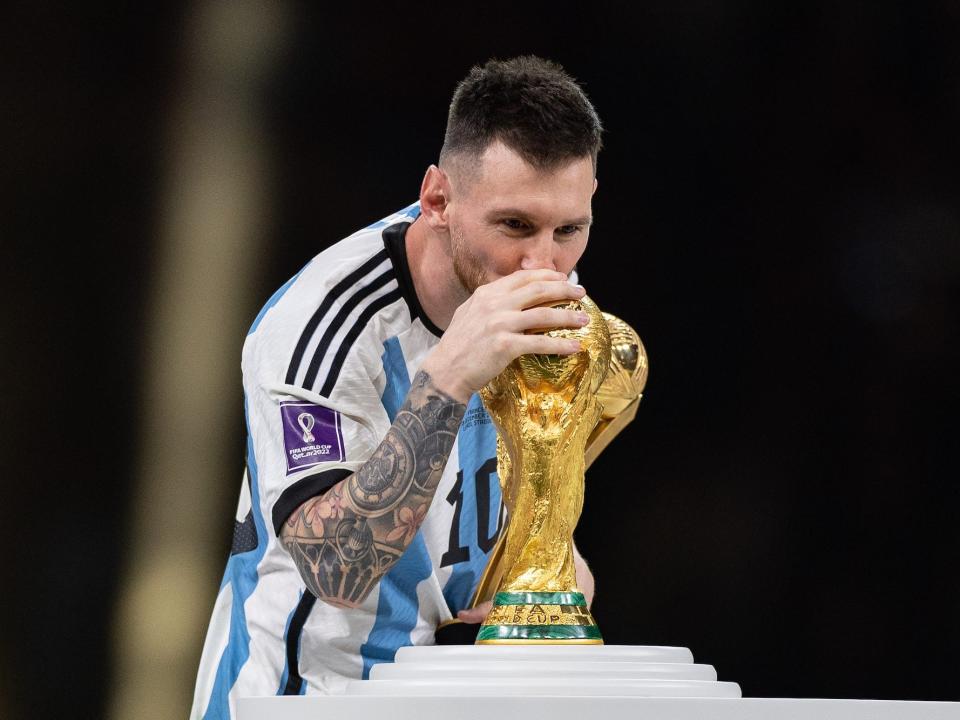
370	501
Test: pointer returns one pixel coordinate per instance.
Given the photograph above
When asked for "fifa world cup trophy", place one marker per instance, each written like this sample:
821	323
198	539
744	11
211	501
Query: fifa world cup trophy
547	408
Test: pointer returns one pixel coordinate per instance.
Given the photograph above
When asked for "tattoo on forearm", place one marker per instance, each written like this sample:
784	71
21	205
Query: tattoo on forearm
344	541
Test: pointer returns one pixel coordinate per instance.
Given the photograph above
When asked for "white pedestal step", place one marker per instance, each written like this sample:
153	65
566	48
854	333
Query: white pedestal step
544	670
550	682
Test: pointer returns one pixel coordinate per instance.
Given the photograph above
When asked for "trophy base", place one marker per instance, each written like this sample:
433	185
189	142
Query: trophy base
539	618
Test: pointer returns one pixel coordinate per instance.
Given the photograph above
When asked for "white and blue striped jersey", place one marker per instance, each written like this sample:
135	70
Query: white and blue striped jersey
326	366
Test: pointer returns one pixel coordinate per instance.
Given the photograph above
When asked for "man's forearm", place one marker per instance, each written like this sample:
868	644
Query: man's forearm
344	541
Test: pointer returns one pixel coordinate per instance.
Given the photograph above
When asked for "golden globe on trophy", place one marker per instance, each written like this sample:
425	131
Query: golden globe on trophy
554	414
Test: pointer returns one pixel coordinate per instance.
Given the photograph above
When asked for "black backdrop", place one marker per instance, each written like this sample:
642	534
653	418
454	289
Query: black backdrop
777	215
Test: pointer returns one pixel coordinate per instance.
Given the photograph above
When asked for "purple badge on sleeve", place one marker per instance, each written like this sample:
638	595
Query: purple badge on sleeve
311	435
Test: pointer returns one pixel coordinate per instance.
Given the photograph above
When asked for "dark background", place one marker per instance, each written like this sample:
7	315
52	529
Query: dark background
778	215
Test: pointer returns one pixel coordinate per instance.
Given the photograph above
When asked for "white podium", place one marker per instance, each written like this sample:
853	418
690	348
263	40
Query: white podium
551	682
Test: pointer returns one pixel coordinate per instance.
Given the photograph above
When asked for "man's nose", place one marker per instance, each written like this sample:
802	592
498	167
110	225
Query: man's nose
538	253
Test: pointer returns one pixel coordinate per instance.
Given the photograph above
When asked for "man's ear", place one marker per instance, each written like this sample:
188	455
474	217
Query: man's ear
594	186
435	197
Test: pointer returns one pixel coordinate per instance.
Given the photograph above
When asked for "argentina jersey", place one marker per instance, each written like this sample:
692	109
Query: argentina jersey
326	366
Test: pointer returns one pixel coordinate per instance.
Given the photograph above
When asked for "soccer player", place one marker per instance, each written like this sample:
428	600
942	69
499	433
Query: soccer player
371	500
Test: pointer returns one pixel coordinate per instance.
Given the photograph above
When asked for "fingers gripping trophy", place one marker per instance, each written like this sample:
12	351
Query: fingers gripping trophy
548	409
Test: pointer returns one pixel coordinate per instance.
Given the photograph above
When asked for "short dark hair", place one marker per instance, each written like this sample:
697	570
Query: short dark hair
529	104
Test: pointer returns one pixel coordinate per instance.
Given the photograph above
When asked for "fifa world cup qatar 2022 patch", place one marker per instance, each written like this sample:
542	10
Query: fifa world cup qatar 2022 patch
311	435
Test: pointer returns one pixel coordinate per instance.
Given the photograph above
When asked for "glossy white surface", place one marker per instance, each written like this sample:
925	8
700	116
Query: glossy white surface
586	708
543	671
574	653
570	686
586	682
542	668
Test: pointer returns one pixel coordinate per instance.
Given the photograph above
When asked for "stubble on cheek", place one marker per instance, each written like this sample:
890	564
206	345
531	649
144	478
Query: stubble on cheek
466	265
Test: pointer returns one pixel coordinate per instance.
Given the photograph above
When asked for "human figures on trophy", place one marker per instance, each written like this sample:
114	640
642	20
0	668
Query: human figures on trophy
548	410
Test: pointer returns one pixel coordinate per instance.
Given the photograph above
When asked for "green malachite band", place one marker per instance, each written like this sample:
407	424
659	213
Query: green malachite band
538	598
539	632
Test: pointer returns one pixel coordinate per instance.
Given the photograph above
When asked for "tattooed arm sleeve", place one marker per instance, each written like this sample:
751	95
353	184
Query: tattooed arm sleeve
345	540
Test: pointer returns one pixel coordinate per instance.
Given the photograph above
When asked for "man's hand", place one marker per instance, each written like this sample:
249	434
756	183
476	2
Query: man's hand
584	582
491	328
476	615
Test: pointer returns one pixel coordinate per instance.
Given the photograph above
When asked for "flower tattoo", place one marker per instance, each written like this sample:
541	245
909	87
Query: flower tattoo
331	506
407	523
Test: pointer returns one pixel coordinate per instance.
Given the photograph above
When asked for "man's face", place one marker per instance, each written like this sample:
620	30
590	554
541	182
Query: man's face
508	216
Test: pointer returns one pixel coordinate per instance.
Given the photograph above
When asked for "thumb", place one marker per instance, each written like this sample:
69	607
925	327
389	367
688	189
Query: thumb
477	614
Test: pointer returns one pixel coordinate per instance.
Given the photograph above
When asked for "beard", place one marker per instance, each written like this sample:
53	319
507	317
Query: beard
466	265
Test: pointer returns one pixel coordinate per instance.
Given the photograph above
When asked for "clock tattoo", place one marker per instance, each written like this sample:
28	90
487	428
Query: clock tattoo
384	479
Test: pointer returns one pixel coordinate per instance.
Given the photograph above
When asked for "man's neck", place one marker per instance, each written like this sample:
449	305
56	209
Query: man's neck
431	269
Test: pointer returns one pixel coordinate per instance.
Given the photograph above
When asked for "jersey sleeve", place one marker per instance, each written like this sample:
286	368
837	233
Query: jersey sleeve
305	443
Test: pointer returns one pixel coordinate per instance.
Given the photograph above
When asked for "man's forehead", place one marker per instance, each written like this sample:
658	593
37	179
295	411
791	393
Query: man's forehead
534	211
501	180
501	162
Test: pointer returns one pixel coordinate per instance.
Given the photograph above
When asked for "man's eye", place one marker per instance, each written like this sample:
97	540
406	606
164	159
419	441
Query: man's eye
568	229
515	224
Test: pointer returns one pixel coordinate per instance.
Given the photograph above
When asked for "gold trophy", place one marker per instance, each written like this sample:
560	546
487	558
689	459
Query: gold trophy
553	414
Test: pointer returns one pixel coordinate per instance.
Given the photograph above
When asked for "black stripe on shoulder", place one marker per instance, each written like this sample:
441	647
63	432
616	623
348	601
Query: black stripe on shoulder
395	241
299	619
297	494
338	321
335	292
338	360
